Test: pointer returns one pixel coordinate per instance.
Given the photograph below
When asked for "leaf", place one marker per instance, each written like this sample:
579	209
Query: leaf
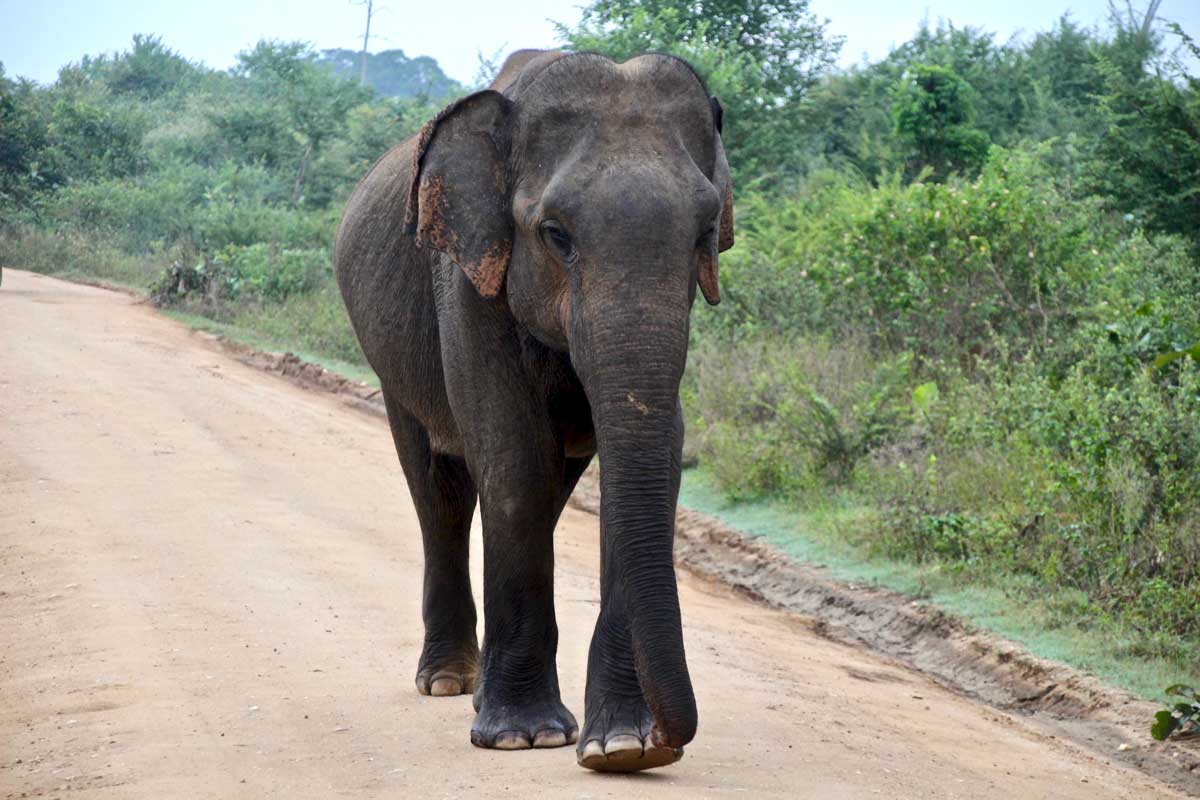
1174	355
1164	725
924	396
1181	690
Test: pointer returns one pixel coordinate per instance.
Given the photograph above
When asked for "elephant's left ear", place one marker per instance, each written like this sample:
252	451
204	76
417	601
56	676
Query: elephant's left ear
458	202
722	179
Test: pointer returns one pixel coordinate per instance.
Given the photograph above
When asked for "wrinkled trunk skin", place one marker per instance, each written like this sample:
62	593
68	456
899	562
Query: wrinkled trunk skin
631	360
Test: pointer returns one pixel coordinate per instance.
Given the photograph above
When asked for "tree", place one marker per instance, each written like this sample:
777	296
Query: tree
786	41
91	133
850	120
393	74
148	70
22	140
310	101
1147	160
933	112
1061	81
760	58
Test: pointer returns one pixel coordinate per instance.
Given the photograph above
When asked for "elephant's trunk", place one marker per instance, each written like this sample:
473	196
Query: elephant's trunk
633	362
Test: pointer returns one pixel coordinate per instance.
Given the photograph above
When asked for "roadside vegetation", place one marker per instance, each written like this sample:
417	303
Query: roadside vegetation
960	330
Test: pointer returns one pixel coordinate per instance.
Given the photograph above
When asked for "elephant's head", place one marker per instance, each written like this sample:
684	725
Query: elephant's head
593	197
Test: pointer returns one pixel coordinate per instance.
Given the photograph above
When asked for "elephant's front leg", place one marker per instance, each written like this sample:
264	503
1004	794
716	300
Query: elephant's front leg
617	721
517	698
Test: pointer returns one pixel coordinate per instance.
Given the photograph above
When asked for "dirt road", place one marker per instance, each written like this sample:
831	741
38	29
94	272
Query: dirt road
210	587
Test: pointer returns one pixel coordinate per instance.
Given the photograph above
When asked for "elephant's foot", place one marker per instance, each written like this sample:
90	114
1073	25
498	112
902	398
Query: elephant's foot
446	671
617	737
508	726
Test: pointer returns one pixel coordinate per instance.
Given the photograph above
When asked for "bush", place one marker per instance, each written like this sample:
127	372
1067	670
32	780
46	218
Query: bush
148	212
1079	483
1045	433
313	321
259	272
225	221
786	416
89	255
943	271
275	274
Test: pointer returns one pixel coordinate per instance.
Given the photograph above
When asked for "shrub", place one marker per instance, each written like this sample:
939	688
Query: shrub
259	272
90	255
789	415
1081	483
314	321
275	274
943	271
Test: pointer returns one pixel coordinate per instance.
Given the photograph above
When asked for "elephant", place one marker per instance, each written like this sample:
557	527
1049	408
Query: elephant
520	276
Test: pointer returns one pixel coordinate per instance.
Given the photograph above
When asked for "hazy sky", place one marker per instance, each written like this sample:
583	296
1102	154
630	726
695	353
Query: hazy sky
39	36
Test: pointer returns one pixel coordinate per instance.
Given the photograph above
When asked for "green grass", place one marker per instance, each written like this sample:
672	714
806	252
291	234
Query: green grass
89	258
265	339
313	321
1047	623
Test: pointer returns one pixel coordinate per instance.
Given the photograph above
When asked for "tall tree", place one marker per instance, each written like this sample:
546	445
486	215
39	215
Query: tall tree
23	137
311	100
761	58
934	114
1147	160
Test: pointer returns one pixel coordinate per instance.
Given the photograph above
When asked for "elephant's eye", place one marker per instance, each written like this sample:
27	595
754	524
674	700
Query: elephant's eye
705	238
557	238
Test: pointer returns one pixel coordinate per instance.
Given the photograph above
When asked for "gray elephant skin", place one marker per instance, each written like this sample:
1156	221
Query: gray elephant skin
520	275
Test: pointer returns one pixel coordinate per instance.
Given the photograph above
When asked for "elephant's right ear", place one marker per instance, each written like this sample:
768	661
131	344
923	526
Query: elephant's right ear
458	202
723	181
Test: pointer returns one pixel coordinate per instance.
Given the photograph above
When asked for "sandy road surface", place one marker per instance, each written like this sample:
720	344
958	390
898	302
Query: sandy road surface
210	584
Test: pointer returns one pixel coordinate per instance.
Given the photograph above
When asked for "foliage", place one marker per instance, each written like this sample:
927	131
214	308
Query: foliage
1182	716
302	99
1021	92
148	70
22	139
263	271
1047	428
1148	157
216	191
780	416
393	74
934	110
947	271
760	59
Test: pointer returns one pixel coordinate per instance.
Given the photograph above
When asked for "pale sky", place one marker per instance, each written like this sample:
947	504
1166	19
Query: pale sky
39	36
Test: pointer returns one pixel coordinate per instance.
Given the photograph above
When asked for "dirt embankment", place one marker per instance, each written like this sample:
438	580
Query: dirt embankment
210	587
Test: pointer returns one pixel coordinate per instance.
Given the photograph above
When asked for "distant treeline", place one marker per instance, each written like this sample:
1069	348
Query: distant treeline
393	74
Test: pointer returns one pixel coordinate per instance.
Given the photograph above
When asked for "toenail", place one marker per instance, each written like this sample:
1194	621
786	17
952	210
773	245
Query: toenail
549	738
593	749
444	687
511	740
623	746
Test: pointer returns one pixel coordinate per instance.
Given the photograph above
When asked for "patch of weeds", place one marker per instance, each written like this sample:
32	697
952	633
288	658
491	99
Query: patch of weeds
1181	717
